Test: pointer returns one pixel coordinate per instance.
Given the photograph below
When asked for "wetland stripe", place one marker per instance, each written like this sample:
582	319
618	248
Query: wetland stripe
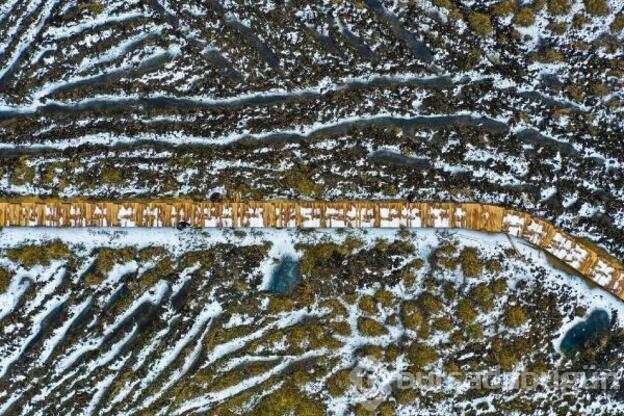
589	260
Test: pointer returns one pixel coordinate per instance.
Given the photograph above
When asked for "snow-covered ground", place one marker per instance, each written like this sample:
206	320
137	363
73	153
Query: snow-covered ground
61	333
177	98
517	103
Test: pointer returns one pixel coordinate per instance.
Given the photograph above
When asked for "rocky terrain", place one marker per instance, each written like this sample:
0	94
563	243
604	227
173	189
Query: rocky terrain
107	322
516	103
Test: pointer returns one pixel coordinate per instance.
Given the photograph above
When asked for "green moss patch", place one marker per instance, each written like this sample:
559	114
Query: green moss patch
33	254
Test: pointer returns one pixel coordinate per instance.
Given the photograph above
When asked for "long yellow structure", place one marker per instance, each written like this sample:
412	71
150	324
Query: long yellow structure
588	260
